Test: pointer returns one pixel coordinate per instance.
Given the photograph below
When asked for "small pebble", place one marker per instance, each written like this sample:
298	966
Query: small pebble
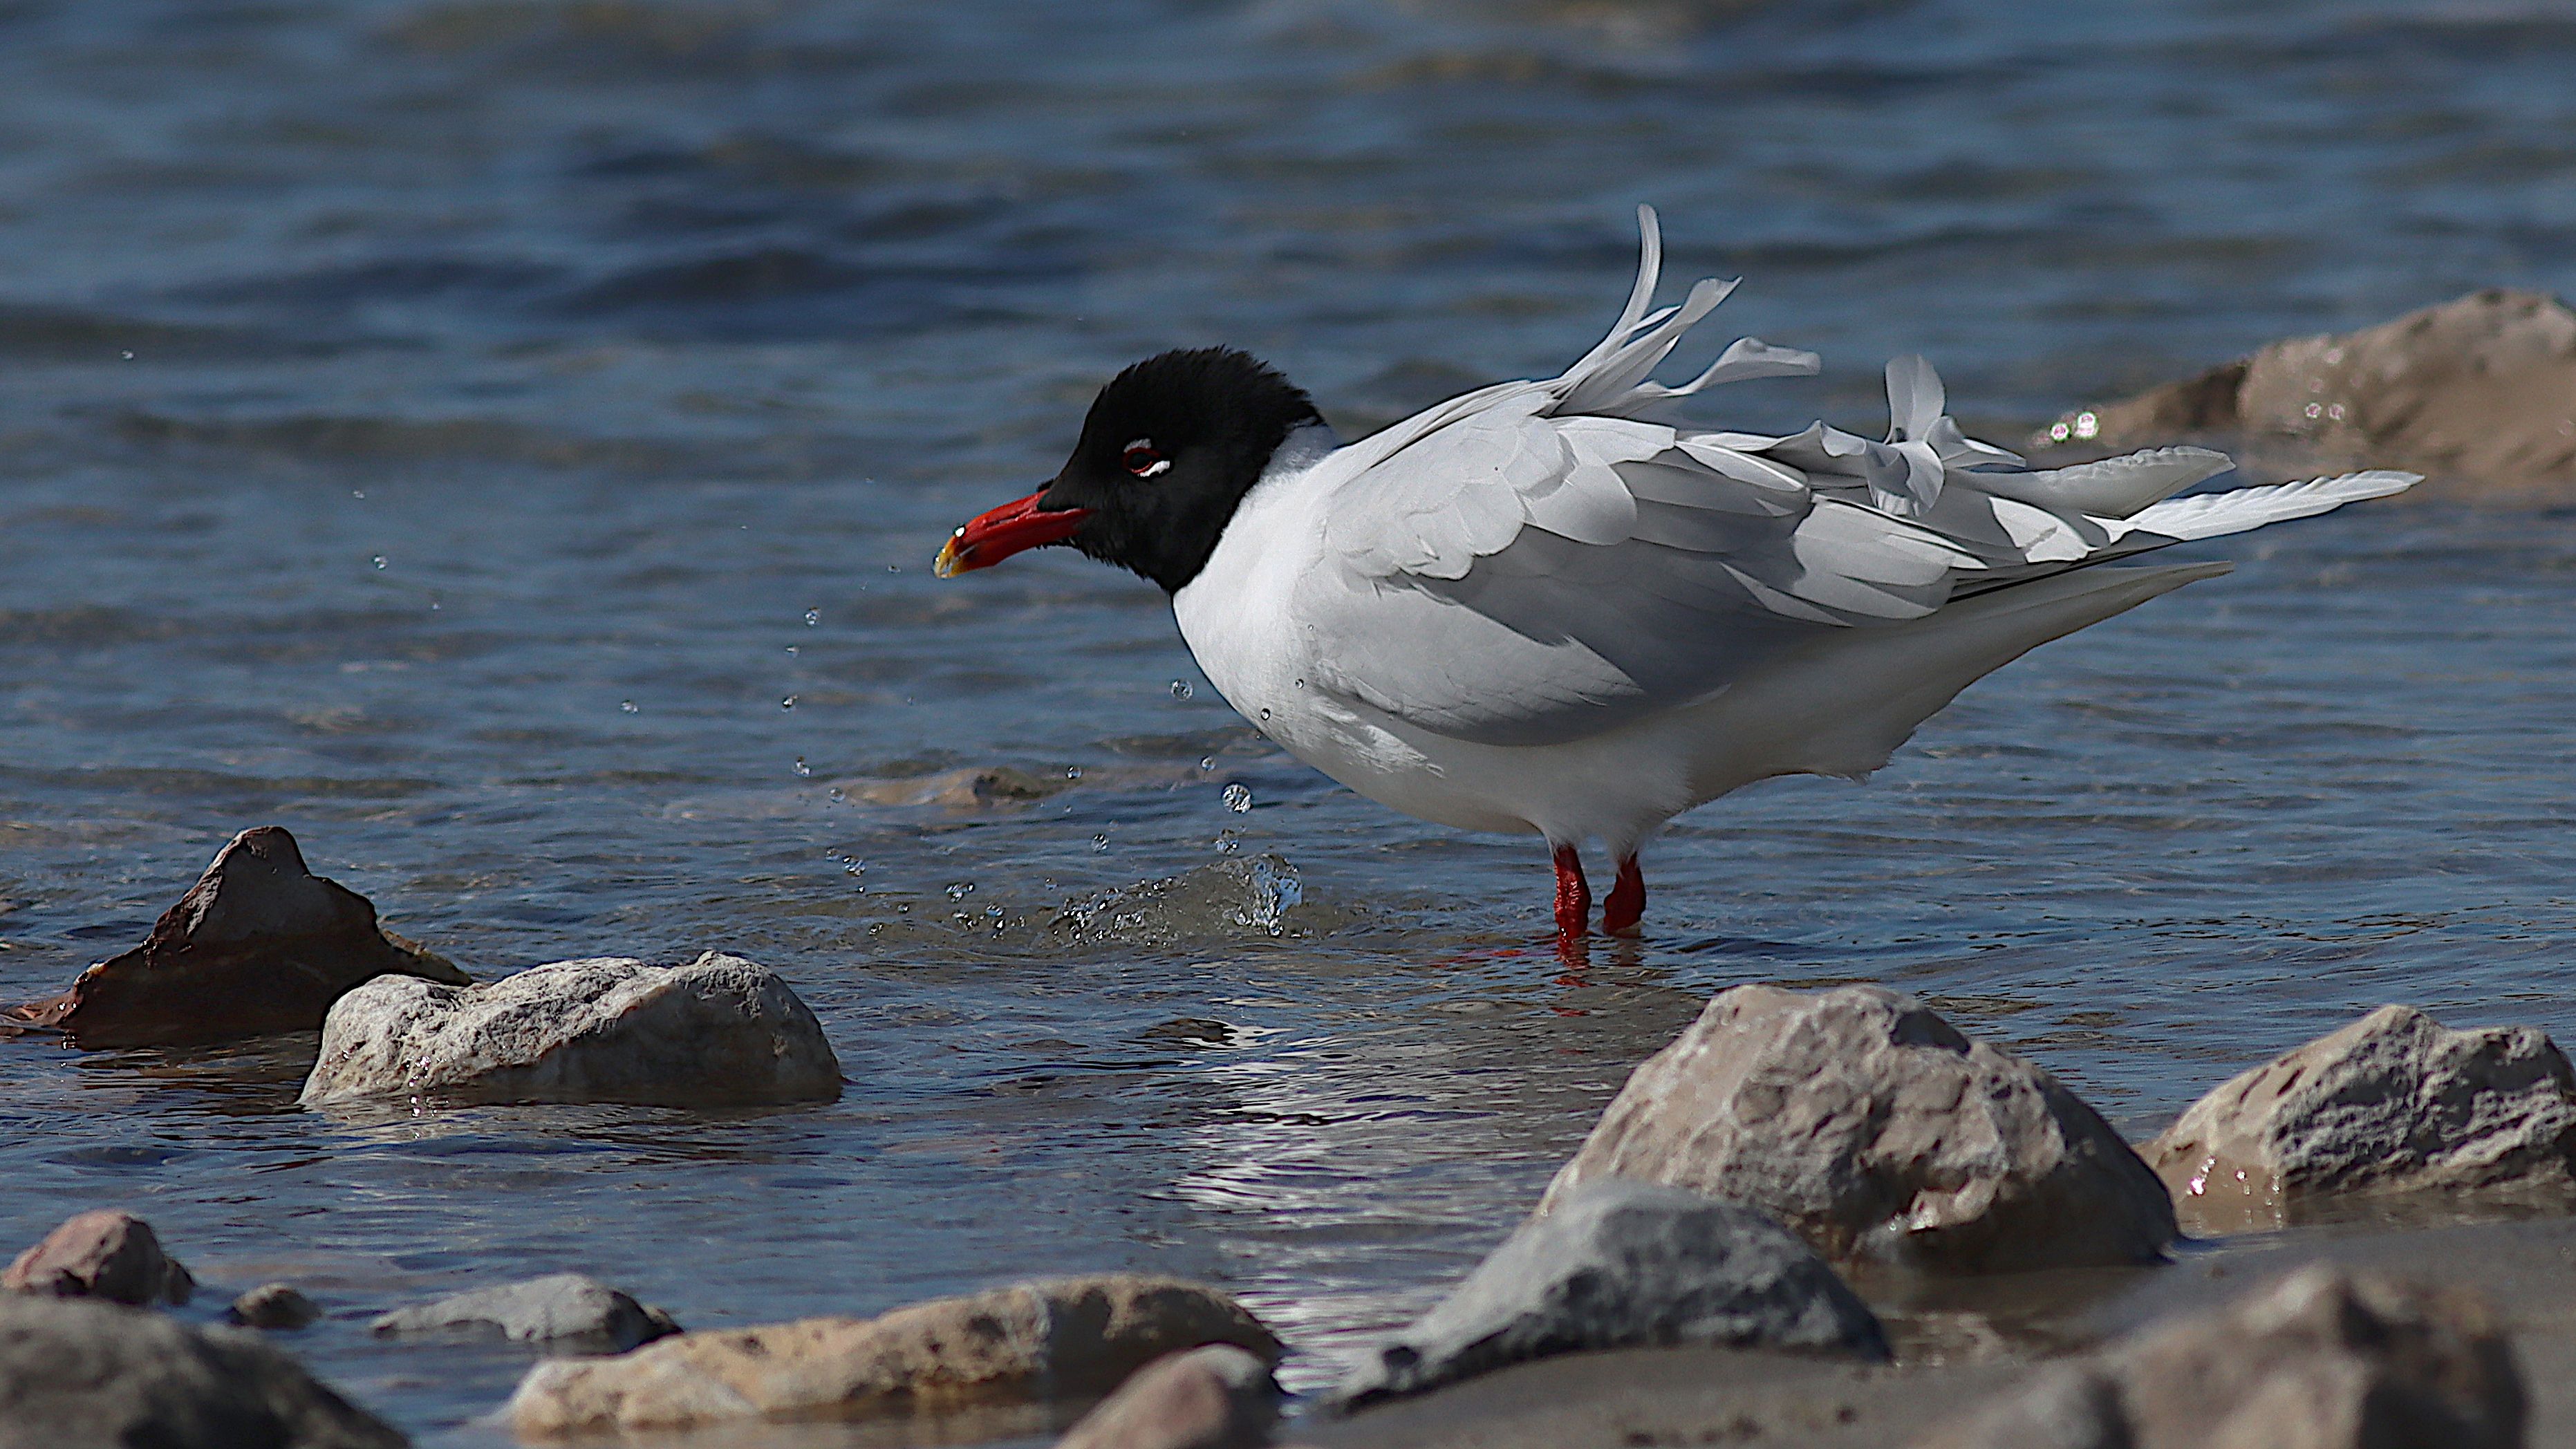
273	1305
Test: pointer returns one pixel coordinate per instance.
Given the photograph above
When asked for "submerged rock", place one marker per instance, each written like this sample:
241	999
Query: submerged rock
718	1030
1622	1264
274	1306
2321	1359
974	788
1059	1337
258	944
101	1254
1879	1133
2395	1102
2479	393
1217	1397
88	1373
565	1308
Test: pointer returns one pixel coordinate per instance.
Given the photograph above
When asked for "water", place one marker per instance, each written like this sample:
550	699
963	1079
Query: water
504	442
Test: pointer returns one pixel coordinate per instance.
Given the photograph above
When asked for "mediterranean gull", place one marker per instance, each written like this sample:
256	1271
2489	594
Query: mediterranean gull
1535	608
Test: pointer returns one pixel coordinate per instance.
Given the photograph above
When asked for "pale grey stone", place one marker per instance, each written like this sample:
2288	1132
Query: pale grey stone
1621	1264
1865	1122
1215	1397
2395	1102
718	1030
567	1308
77	1372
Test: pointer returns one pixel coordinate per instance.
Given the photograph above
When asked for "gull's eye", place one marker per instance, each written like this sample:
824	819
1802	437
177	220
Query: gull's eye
1142	459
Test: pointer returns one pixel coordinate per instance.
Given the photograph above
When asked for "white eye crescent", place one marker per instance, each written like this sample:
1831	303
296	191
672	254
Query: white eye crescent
1143	459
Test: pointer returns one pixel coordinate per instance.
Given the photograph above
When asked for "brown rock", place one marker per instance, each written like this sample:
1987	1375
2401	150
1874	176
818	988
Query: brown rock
273	1305
974	788
2479	393
258	944
2321	1359
2394	1102
1216	1397
1058	1337
101	1254
1879	1133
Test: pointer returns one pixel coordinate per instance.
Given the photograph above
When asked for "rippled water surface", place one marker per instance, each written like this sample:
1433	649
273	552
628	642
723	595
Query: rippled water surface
503	441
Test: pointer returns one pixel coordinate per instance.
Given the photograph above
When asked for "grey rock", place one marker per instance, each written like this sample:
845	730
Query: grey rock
84	1372
101	1254
1865	1122
259	944
1216	1397
2323	1358
718	1030
274	1306
2395	1102
2474	392
567	1308
1621	1264
1031	1341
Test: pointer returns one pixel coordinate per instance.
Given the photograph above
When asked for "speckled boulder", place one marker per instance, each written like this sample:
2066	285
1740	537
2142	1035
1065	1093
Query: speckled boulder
2395	1102
718	1030
1865	1122
1053	1338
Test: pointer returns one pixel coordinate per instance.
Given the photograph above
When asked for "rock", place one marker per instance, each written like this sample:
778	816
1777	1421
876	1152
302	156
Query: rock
90	1373
258	944
2394	1102
1622	1264
565	1307
718	1030
273	1305
1865	1122
1217	1397
2479	393
1051	1338
974	788
2321	1359
101	1254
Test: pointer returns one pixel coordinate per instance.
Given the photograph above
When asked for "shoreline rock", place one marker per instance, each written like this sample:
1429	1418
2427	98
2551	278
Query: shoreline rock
2394	1102
259	944
101	1254
566	1309
1053	1338
1216	1397
1869	1125
720	1030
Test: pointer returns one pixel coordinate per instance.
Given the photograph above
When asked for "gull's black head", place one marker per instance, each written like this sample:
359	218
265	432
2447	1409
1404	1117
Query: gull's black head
1170	447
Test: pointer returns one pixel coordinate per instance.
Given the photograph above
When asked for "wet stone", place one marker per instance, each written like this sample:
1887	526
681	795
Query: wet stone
2321	1359
101	1254
90	1373
568	1310
1869	1125
1032	1341
275	1306
259	944
610	1029
2394	1102
1622	1264
1217	1397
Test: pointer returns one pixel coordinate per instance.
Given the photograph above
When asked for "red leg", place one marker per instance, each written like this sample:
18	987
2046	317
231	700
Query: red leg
1627	902
1573	898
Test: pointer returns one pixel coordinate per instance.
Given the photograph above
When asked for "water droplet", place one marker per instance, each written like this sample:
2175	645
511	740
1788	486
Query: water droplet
627	705
875	926
803	770
1237	799
1207	762
1228	842
791	648
1265	715
813	617
128	356
961	890
856	867
1100	844
2311	410
1181	689
357	492
994	911
894	568
838	795
1073	772
788	703
380	560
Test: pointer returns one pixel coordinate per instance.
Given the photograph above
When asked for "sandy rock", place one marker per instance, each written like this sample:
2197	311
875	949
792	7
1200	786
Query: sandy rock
2321	1359
91	1373
101	1254
258	944
1217	1397
974	788
2479	393
1865	1122
2395	1102
567	1308
1622	1264
1058	1337
274	1306
720	1029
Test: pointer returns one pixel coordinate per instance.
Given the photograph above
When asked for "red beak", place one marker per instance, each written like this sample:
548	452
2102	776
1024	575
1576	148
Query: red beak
989	538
